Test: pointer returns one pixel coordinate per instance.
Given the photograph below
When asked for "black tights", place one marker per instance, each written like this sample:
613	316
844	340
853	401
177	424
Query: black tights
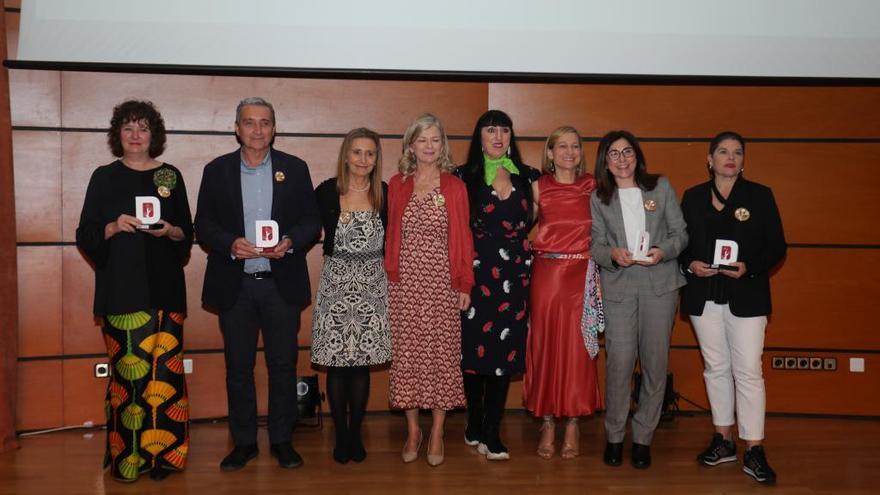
348	389
486	396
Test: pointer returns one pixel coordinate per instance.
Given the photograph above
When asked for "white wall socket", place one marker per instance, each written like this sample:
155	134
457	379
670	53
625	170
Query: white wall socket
102	370
857	365
187	366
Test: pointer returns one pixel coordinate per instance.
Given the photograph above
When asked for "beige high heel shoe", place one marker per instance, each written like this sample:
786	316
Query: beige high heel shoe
548	436
436	460
412	455
571	448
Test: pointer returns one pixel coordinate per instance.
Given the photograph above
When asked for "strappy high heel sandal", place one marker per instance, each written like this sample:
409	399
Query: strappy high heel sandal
571	446
548	435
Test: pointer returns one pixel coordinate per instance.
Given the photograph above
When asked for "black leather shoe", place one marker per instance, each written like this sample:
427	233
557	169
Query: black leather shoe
287	457
641	456
613	454
239	457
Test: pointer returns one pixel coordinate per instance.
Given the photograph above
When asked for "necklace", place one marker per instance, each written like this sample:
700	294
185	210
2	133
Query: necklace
351	188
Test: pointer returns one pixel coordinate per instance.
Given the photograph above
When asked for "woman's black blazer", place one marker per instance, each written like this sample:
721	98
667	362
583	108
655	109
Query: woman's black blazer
761	246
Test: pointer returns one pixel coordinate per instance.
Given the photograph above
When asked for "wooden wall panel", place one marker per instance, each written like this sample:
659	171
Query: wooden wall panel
35	98
37	165
301	105
40	395
691	111
81	333
83	393
800	174
821	299
39	301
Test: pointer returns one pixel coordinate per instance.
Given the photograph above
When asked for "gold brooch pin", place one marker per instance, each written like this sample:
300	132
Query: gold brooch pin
742	214
650	205
279	176
439	200
165	180
344	217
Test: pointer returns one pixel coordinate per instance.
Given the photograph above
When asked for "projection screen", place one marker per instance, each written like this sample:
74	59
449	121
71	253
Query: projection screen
747	38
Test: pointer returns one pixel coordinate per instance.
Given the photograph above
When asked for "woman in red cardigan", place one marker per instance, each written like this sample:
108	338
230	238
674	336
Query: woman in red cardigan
428	258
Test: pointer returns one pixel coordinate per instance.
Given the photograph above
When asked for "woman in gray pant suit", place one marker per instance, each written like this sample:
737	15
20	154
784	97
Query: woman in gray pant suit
639	293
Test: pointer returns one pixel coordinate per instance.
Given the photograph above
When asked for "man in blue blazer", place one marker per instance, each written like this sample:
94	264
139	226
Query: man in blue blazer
256	290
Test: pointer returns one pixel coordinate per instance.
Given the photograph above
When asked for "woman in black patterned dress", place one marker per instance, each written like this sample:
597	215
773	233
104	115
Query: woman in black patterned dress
493	329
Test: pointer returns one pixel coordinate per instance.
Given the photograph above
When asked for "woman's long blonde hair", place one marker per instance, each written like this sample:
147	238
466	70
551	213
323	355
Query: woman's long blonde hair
407	164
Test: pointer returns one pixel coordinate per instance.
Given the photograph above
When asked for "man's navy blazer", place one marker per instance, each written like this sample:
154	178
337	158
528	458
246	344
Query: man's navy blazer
220	220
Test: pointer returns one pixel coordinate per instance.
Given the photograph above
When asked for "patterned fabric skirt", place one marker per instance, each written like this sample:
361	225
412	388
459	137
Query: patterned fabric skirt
146	405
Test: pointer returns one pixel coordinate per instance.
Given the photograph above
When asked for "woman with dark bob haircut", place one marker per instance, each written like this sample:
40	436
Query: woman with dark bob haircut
638	232
494	327
140	293
728	303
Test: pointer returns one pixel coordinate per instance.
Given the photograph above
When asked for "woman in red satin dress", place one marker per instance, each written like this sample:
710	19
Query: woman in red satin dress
560	379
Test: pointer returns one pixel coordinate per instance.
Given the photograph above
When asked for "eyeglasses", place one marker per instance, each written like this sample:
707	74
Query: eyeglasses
627	152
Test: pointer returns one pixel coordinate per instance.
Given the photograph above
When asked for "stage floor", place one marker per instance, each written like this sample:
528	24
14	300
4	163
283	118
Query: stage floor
810	456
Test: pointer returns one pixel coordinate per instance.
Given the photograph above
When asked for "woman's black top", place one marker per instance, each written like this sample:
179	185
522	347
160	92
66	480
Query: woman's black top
328	203
758	232
134	271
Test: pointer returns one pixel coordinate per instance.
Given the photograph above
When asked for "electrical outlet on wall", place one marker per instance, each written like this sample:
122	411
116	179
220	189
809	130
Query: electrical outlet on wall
777	362
829	364
790	363
857	365
803	363
102	370
187	366
815	363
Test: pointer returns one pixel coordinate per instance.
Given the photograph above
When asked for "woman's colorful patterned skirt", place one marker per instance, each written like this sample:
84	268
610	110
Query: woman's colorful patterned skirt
147	406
